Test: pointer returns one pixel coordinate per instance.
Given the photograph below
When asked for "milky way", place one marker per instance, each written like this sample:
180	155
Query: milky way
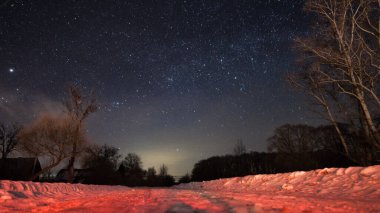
177	81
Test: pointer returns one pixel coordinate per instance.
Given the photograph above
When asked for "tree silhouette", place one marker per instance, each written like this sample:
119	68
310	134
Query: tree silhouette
239	147
101	163
133	172
8	139
164	178
293	139
340	65
151	177
185	179
79	107
51	138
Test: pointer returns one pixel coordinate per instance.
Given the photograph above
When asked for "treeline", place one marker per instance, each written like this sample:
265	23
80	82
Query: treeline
102	165
265	163
291	148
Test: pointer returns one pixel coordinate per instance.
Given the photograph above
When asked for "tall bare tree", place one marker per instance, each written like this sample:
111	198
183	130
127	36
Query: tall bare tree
50	138
163	170
341	65
79	107
239	147
8	139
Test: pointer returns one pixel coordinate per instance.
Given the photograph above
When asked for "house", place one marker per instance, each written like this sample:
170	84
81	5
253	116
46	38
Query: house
19	168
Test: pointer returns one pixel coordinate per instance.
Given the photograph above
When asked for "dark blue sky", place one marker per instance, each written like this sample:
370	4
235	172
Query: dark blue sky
177	80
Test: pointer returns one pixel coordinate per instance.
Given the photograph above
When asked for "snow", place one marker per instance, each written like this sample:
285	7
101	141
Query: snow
354	182
354	189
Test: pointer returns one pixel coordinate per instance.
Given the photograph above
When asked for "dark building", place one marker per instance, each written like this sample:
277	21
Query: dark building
19	168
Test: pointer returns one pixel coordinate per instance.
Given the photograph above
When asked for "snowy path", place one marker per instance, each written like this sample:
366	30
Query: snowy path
355	189
124	200
177	200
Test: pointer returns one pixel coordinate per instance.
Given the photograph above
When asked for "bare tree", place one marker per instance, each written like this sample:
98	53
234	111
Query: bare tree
239	147
50	138
163	170
8	139
79	107
341	64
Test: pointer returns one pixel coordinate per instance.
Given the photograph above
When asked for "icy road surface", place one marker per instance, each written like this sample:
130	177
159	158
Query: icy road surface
356	189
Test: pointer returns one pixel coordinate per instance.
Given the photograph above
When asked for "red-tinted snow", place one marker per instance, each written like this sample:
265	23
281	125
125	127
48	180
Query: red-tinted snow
355	189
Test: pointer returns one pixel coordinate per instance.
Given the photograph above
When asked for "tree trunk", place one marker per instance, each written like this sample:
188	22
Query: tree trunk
70	167
374	134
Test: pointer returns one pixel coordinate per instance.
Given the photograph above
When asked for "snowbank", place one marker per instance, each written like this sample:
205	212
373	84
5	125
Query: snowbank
23	189
353	182
355	189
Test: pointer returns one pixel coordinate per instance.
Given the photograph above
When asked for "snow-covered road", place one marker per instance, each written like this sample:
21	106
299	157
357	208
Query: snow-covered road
176	200
355	189
123	200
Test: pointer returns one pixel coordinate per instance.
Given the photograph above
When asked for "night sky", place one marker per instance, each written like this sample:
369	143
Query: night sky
177	80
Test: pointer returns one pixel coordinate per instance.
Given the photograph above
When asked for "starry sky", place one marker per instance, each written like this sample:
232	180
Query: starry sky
177	80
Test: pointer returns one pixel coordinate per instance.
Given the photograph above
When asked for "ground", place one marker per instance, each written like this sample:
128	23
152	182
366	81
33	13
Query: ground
356	189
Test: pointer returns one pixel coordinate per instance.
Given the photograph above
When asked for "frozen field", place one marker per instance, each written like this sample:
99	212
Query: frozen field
355	189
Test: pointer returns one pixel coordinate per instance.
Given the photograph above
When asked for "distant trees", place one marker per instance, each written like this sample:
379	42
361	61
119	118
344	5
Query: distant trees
185	179
292	147
132	163
8	139
131	170
103	166
164	178
239	147
79	107
294	139
264	163
103	156
233	166
340	60
101	163
151	177
294	143
50	138
304	139
163	170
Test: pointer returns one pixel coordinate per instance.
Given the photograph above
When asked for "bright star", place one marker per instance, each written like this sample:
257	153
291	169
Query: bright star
11	70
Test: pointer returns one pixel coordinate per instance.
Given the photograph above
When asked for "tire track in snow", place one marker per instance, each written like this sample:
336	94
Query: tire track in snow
232	203
197	201
128	200
218	201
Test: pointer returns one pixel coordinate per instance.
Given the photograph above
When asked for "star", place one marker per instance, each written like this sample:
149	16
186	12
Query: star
11	70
